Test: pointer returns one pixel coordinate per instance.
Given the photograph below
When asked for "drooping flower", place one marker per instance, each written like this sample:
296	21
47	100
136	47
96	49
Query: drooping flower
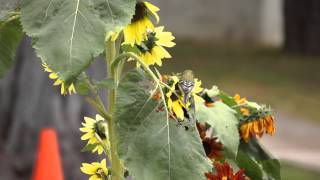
65	88
257	127
96	130
225	172
152	49
134	33
96	170
175	100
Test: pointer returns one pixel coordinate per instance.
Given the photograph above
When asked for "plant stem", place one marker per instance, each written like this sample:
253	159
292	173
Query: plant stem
116	165
97	103
137	59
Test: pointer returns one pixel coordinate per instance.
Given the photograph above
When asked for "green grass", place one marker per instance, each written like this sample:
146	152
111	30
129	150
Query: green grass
290	83
290	172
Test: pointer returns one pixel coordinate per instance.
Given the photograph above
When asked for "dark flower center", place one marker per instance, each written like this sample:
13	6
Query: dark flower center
100	129
141	12
149	43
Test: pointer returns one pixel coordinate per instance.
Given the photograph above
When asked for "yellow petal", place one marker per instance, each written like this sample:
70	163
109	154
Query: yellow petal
95	177
89	121
104	166
99	117
93	140
63	89
71	89
57	82
53	76
84	129
88	168
153	9
177	109
198	99
87	136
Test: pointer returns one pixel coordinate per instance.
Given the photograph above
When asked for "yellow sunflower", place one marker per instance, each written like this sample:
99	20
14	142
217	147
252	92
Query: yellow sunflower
256	128
93	129
65	88
96	170
176	104
152	49
134	33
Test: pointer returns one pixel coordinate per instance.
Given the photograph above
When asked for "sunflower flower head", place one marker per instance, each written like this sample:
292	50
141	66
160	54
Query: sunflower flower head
175	99
225	172
257	123
96	133
152	49
134	33
65	87
96	170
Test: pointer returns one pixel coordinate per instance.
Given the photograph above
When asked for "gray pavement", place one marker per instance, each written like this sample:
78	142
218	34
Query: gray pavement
296	140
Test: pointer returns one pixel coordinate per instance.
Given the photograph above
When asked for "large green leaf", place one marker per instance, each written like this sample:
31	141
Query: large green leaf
251	167
224	123
7	6
150	145
68	34
265	165
10	37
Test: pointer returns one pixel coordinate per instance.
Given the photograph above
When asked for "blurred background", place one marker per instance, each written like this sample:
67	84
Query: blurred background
266	50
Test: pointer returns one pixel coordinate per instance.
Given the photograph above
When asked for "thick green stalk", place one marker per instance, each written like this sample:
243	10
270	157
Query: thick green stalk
116	166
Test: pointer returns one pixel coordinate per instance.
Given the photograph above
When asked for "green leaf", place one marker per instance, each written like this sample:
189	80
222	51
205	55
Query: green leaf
224	123
129	48
88	147
251	167
69	34
10	37
82	87
268	165
227	99
150	145
106	83
6	7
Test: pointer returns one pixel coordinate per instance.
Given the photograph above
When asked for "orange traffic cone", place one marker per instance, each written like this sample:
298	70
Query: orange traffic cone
48	163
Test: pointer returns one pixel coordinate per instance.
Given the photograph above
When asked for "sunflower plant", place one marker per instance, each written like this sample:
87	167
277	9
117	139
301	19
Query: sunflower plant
153	125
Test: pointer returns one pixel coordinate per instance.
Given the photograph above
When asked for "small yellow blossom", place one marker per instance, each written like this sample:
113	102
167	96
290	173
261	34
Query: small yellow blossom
152	49
134	33
65	89
96	170
94	129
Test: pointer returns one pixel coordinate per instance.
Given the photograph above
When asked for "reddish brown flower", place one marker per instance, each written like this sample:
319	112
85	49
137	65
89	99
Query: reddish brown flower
213	148
225	172
202	130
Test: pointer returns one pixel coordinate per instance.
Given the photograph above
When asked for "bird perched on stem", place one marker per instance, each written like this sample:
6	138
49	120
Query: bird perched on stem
186	85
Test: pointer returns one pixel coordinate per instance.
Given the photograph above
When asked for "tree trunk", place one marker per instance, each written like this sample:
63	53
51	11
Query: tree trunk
29	102
302	26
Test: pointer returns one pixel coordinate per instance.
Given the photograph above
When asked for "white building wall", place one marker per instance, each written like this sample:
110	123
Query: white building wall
223	20
272	22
